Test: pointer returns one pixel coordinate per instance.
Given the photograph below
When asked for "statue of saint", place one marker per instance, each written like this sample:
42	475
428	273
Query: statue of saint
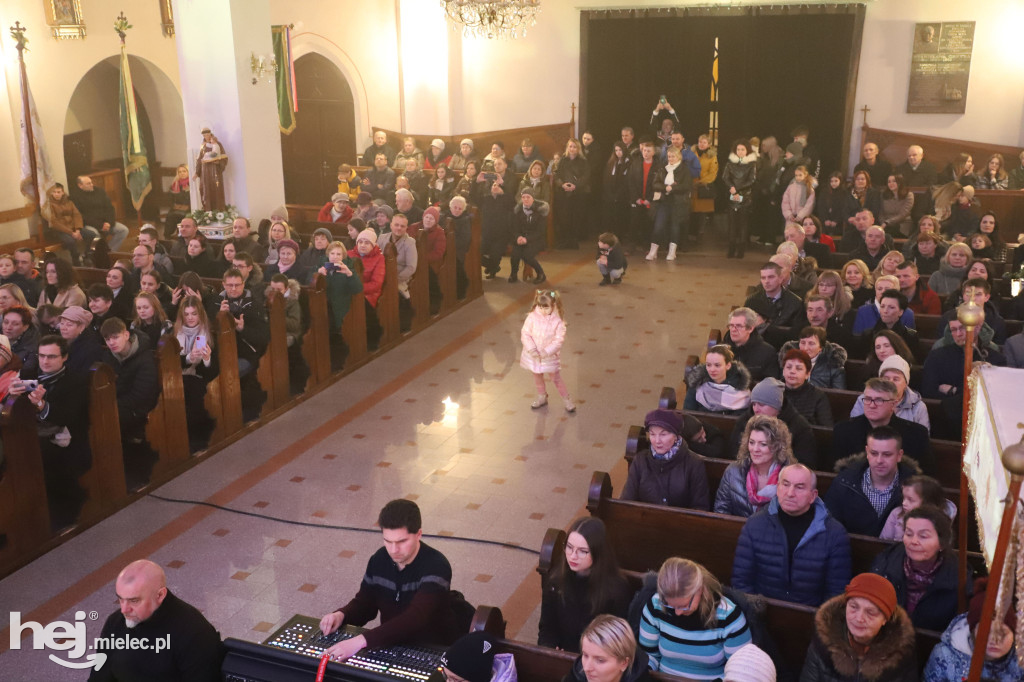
209	172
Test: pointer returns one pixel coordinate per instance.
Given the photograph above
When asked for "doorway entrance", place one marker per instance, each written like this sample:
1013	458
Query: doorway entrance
324	135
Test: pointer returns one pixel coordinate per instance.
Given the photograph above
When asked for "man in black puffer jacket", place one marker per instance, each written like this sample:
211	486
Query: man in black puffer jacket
138	382
757	355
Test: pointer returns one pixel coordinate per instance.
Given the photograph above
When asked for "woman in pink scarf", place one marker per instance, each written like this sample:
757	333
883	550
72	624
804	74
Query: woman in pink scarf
749	483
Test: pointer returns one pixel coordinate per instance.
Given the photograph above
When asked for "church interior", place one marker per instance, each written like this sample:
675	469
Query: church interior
278	516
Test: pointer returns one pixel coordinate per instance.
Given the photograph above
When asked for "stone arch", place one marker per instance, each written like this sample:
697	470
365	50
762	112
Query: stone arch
306	43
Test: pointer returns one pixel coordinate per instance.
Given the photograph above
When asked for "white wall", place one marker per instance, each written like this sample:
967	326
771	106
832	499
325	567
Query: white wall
55	68
995	93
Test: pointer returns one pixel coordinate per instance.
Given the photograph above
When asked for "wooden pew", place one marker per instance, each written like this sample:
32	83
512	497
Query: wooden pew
419	287
223	395
273	369
167	430
644	535
472	261
387	304
945	452
795	620
928	326
316	343
353	328
446	275
104	482
24	510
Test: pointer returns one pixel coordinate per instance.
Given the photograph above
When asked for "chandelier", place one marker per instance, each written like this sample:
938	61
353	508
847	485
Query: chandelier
492	18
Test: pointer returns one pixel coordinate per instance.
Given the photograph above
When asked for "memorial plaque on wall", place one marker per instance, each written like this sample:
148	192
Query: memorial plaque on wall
940	68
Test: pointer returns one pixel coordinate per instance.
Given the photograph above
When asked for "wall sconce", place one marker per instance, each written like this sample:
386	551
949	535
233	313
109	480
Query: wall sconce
262	68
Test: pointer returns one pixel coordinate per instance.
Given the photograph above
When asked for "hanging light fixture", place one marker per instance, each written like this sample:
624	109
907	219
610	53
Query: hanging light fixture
492	18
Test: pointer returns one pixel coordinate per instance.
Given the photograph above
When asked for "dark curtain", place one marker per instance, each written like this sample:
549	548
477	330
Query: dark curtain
632	62
775	71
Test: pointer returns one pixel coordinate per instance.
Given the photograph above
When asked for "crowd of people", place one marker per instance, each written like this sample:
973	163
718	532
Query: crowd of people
903	254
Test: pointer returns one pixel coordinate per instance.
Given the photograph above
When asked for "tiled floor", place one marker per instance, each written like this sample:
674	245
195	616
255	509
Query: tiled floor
444	420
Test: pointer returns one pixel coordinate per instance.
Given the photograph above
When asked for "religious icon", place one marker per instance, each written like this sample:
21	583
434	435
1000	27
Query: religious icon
65	18
209	171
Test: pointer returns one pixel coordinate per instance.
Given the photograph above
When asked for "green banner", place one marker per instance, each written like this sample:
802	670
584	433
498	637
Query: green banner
133	149
283	77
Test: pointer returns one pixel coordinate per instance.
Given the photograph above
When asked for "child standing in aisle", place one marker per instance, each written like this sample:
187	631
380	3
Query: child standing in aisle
543	335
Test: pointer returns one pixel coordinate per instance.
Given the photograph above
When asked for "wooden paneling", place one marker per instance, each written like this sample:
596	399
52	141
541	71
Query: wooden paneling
892	145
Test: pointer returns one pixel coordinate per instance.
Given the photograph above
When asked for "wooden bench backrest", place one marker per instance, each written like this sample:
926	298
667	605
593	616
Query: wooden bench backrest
419	286
104	483
167	430
387	304
24	511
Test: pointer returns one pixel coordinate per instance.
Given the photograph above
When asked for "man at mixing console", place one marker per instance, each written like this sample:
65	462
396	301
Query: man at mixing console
407	582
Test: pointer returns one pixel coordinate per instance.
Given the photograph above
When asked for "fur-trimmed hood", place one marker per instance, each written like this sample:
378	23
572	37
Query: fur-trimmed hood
749	158
907	467
738	376
893	644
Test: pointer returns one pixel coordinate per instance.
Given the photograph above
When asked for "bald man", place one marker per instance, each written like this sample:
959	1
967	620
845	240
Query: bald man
155	636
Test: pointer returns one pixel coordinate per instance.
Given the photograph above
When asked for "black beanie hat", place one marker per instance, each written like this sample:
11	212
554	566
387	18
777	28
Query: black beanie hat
471	657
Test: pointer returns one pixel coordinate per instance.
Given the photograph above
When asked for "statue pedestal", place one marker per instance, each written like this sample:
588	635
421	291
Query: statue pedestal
216	231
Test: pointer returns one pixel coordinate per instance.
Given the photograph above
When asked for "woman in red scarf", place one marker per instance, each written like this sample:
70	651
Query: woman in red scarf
749	483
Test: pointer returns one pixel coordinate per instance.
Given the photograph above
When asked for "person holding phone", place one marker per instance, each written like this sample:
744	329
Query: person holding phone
198	368
60	398
252	333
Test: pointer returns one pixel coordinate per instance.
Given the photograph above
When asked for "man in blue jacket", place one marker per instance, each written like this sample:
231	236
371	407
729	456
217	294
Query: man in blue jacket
793	550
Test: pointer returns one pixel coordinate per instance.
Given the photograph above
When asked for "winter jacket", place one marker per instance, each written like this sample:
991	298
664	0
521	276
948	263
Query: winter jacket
351	186
741	174
63	298
951	658
403	156
371	154
437	243
300	274
325	215
576	171
406	254
138	382
731	497
1014	351
805	447
834	205
542	334
738	377
938	606
311	259
532	226
831	658
828	370
879	171
992	331
851	437
896	213
678	482
682	184
614	184
820	567
440	196
373	275
94	206
380	184
636	189
564	614
894	525
812	403
786	311
708	164
757	355
463	227
849	505
792	210
925	301
521	164
62	216
945	365
868	316
255	334
911	407
340	290
637	671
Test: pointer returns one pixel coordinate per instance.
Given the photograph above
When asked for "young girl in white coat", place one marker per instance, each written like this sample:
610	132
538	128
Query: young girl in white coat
543	334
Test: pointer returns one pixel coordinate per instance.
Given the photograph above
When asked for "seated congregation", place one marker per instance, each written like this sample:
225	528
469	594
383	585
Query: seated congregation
816	443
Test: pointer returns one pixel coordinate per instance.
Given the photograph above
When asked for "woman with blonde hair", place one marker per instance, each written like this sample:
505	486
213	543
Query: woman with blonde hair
952	270
860	281
689	628
831	285
10	296
888	264
572	184
609	654
198	365
750	482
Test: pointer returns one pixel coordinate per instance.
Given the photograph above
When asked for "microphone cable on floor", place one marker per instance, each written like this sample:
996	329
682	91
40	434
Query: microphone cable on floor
328	526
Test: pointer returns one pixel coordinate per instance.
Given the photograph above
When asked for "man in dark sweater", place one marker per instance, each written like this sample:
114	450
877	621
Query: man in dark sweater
98	213
407	582
850	437
155	636
917	172
783	307
758	356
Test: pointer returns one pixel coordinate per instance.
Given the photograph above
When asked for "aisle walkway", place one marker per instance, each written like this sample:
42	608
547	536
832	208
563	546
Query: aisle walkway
445	420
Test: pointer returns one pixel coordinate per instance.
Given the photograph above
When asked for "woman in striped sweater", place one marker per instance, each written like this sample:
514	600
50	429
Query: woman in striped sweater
689	628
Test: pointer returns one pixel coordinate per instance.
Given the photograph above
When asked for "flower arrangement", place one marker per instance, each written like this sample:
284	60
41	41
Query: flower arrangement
223	216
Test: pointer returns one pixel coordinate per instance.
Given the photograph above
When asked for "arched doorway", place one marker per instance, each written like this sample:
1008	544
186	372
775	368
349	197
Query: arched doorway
324	135
92	138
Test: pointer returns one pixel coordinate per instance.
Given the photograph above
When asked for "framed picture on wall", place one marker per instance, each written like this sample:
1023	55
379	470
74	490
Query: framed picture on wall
64	17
